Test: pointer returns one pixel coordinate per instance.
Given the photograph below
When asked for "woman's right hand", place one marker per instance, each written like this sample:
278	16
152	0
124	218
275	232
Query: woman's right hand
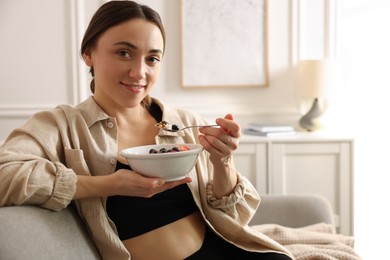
130	183
123	182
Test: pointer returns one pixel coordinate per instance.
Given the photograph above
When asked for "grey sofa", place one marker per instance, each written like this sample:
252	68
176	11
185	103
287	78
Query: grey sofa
28	232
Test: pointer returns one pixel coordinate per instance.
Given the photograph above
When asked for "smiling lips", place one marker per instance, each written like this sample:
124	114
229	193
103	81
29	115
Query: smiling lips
136	88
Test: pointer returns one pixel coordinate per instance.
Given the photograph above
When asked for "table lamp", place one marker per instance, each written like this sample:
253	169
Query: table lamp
313	79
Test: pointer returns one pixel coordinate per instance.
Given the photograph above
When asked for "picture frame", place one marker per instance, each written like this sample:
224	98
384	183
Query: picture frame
224	43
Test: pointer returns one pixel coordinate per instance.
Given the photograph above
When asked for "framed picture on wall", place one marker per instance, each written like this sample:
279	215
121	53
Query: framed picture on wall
223	43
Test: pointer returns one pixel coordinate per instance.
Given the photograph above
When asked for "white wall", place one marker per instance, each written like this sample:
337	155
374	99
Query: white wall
363	109
34	62
40	65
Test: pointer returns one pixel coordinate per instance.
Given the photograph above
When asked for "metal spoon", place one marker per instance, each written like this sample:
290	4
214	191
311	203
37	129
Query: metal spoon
175	128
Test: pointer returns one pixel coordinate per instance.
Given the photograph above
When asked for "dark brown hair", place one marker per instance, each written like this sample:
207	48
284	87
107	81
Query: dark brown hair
111	14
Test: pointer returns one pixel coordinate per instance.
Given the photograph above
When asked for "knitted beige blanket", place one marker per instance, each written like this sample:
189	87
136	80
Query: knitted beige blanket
315	242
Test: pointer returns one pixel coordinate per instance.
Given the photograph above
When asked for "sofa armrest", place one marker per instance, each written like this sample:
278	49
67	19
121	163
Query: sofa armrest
293	210
30	232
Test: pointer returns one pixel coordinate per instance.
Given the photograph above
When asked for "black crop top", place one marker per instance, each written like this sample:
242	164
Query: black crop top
134	216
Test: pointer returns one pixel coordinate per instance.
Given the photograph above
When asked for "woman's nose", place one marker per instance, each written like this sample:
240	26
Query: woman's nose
137	70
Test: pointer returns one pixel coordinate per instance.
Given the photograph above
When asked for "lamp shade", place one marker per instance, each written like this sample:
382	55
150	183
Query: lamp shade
313	78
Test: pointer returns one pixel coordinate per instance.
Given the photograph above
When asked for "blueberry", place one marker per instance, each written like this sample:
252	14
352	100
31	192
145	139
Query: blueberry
151	151
175	149
163	150
175	127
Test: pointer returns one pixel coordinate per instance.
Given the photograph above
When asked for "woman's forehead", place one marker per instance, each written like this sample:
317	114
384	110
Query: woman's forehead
137	31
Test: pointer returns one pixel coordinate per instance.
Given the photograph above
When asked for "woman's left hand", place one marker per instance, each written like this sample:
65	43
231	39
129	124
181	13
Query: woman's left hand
223	141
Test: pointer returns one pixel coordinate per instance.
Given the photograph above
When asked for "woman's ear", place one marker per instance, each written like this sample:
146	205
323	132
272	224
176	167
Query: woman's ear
87	58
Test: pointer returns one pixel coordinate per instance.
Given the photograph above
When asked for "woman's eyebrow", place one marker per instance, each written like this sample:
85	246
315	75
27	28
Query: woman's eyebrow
128	44
132	46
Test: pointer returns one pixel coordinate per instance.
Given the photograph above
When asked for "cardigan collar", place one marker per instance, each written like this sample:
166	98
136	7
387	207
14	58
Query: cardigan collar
93	113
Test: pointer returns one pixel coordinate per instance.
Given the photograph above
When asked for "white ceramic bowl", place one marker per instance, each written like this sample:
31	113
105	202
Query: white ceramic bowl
169	166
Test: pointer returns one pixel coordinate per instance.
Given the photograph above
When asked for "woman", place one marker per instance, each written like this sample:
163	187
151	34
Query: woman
72	154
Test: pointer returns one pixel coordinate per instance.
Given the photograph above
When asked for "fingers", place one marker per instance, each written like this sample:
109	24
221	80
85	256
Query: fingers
173	184
159	184
221	141
169	185
229	116
229	125
214	147
230	133
135	184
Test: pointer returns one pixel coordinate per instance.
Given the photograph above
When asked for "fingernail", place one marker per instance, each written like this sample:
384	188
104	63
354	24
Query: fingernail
159	182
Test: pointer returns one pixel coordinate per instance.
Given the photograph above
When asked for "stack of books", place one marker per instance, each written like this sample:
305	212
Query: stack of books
269	130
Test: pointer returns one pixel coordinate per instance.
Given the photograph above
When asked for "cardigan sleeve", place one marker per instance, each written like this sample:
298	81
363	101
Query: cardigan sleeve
240	205
31	171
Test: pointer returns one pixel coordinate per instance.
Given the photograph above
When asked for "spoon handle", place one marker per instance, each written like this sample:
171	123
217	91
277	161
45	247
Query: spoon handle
193	126
181	129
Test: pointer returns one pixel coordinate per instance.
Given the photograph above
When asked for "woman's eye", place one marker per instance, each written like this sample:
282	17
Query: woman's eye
153	60
125	54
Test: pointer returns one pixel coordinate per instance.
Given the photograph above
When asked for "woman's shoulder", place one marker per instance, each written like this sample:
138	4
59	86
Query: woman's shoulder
65	114
48	122
56	114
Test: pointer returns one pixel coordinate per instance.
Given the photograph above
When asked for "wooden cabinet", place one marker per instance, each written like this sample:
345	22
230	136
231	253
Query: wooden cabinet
302	164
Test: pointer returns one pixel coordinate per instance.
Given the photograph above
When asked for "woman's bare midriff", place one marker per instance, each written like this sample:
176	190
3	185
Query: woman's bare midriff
176	240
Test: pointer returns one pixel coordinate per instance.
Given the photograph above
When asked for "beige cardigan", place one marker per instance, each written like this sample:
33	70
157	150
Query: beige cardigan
39	162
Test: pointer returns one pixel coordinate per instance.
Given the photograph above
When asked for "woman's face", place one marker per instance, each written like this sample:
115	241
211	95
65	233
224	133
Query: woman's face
126	62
